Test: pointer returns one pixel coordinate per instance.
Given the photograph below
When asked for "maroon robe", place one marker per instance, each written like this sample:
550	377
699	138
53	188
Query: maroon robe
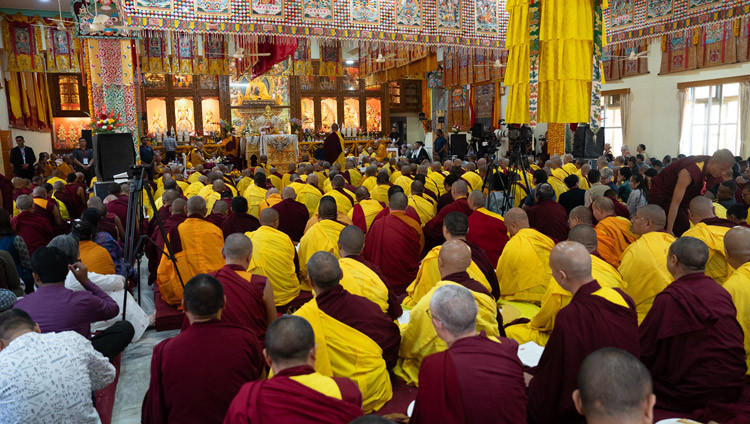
394	305
154	250
549	218
21	191
108	224
358	216
621	210
396	247
433	229
293	217
365	316
164	212
68	201
283	400
587	324
444	200
216	219
663	184
6	189
693	345
239	223
119	207
719	222
476	380
489	233
34	229
410	212
47	212
485	265
332	147
77	203
195	374
465	280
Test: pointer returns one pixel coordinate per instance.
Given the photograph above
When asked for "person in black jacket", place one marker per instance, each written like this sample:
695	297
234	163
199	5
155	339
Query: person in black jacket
419	153
23	159
575	196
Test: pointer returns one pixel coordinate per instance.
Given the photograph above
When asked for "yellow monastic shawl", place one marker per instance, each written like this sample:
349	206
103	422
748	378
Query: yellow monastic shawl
380	193
738	285
425	208
310	197
523	268
371	208
273	257
323	236
360	280
713	235
255	196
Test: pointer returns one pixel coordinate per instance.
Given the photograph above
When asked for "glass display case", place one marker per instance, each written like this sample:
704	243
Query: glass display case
374	115
308	113
156	115
351	113
211	115
328	113
184	115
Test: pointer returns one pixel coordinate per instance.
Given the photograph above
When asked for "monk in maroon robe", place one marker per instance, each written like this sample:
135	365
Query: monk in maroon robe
154	251
447	198
77	193
73	208
118	206
293	215
217	218
395	244
455	227
433	230
290	352
487	230
239	221
195	375
50	209
620	208
595	318
690	339
547	216
477	380
33	228
6	191
410	211
332	146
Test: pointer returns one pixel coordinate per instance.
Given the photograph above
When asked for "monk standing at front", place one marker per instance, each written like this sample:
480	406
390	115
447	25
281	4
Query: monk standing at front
333	147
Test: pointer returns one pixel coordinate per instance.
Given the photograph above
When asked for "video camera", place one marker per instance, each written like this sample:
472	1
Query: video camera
519	136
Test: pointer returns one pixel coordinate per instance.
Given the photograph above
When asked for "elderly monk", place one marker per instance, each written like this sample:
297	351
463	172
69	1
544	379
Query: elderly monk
596	317
344	198
539	328
616	227
358	278
309	194
197	247
256	194
453	383
46	207
202	395
454	228
33	228
419	337
347	325
523	269
710	230
677	184
691	340
293	215
118	206
605	244
239	221
322	236
296	393
394	243
366	209
644	263
219	214
434	228
422	204
737	251
547	216
614	387
486	228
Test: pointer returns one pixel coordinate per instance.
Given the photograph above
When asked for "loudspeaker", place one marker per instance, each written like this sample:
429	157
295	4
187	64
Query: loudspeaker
113	154
458	145
586	144
477	131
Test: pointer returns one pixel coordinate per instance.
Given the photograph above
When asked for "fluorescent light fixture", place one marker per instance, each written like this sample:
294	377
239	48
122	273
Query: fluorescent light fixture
350	62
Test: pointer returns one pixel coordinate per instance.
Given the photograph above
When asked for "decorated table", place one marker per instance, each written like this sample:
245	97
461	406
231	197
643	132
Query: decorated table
309	147
281	149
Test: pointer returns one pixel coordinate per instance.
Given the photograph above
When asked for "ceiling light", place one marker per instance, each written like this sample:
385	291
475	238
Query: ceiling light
350	62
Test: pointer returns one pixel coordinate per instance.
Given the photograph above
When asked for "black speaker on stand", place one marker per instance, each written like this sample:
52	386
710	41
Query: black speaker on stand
458	145
113	154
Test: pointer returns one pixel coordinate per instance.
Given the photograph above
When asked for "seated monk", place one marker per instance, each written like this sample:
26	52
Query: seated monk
212	196
154	252
274	257
644	263
35	229
404	180
255	194
523	269
596	317
691	340
347	325
472	178
422	204
293	215
76	194
110	222
410	211
309	194
547	216
286	179
433	230
419	337
605	244
272	197
453	383
738	284
196	245
710	230
96	258
370	179
239	221
394	243
617	227
344	198
204	394
455	226
366	209
540	327
195	187
322	236
296	393
380	190
620	209
219	214
614	387
162	211
64	202
358	278
119	205
46	207
486	228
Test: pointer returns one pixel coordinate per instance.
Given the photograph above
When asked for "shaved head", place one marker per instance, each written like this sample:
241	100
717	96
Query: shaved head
237	246
219	186
571	265
327	208
417	187
338	181
655	214
24	203
221	207
352	240
584	234
516	219
288	193
723	157
690	252
289	340
196	205
178	206
455	307
581	215
169	196
476	199
323	270
604	204
456	224
361	194
312	179
455	256
269	217
737	246
39	191
460	188
398	202
700	208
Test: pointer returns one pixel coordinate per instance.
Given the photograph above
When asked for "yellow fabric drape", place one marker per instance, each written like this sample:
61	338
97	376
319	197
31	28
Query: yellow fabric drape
517	71
15	96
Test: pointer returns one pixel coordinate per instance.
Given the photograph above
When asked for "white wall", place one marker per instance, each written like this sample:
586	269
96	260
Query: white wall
414	128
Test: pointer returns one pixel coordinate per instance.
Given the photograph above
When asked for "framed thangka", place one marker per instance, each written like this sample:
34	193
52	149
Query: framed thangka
658	9
409	13
448	15
365	12
213	7
486	16
622	12
317	10
701	4
268	8
160	5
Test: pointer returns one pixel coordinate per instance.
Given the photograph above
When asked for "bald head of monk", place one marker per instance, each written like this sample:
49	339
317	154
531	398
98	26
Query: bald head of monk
39	191
312	179
571	265
24	203
580	215
459	189
648	218
351	241
417	188
516	220
271	191
700	208
290	342
179	206
584	234
362	194
219	186
476	200
238	250
603	207
203	298
398	202
269	217
455	226
169	196
720	162
288	193
327	208
221	207
453	310
687	255
737	246
196	205
338	181
96	203
323	271
455	256
614	387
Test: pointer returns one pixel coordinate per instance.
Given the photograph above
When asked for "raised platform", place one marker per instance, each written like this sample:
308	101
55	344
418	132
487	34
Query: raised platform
168	317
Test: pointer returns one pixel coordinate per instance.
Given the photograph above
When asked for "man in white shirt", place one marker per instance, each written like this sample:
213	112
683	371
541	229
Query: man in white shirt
47	378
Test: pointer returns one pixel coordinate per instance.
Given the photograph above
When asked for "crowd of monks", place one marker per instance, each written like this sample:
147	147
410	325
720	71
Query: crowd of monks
309	295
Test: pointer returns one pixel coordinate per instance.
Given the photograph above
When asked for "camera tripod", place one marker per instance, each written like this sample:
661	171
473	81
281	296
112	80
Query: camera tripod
516	175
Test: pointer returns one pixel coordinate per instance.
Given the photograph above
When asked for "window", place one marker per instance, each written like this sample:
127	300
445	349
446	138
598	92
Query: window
612	121
710	120
67	95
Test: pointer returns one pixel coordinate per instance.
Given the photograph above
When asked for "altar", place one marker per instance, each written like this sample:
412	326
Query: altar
281	149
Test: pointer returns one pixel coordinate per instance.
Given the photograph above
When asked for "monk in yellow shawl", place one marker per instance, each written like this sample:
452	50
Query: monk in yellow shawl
272	198
380	192
605	244
364	212
425	207
197	246
309	194
211	197
710	230
381	151
472	178
256	194
616	227
370	180
569	166
737	251
540	327
345	199
644	263
437	177
323	236
196	155
419	338
333	147
404	179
